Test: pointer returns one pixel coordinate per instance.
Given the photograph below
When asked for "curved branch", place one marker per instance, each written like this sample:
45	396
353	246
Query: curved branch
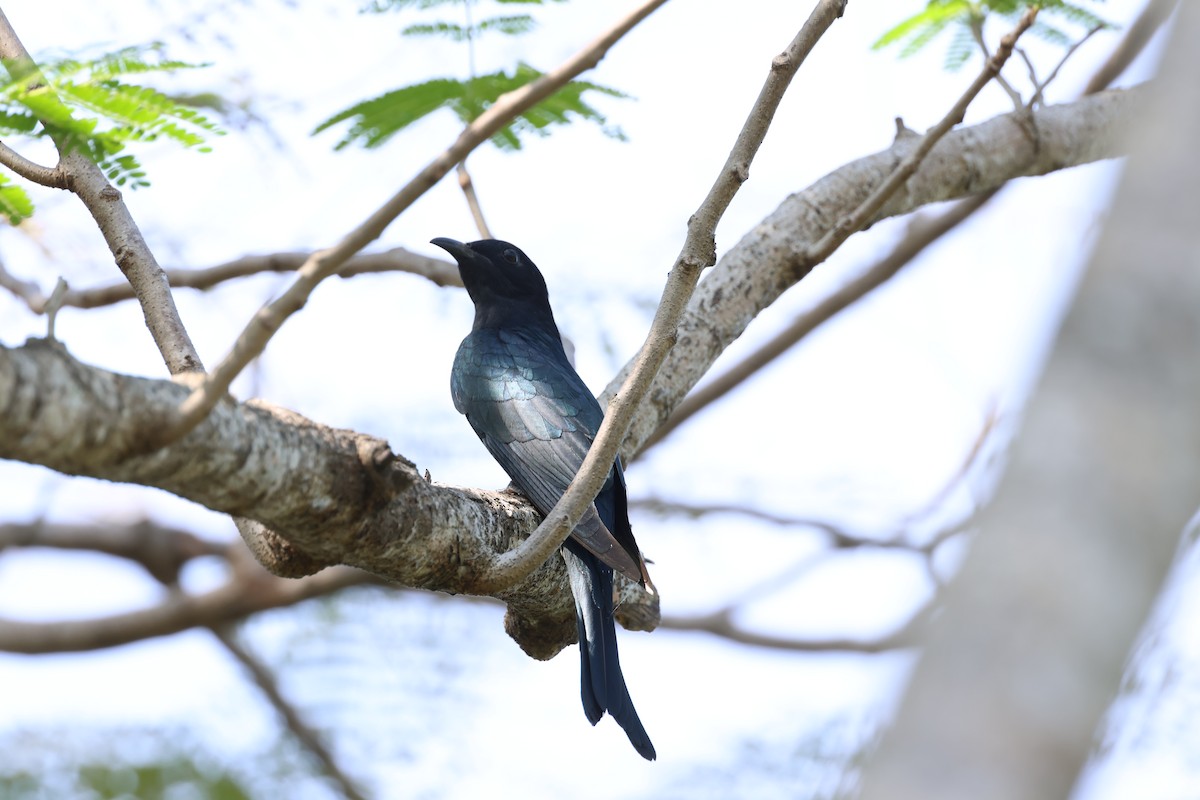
698	252
52	177
178	612
253	339
87	182
161	550
309	738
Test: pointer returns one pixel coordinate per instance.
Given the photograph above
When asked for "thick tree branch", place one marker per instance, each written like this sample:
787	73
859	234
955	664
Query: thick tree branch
253	339
760	267
337	496
87	182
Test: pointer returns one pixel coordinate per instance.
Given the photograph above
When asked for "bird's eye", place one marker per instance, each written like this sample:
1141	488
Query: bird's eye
510	256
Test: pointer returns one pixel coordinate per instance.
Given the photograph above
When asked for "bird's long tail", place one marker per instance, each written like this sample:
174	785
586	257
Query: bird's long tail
603	685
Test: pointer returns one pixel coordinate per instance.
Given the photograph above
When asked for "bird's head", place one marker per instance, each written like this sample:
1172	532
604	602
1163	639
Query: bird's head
497	273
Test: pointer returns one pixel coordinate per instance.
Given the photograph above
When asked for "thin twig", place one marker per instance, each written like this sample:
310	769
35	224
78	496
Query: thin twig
308	738
698	252
721	623
855	220
468	188
438	271
112	217
976	27
1039	88
839	538
253	339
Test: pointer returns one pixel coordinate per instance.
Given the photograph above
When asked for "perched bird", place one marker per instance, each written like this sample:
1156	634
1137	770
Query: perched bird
513	381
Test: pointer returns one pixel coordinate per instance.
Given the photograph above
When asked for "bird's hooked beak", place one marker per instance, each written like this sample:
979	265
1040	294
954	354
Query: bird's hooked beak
460	250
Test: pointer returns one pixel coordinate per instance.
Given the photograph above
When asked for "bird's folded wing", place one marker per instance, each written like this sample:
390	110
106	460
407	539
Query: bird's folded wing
542	469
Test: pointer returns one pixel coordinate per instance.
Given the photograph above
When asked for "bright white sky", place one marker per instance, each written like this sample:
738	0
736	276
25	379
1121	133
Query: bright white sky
863	425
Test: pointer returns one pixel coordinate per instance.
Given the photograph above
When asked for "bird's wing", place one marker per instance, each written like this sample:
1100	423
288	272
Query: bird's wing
537	418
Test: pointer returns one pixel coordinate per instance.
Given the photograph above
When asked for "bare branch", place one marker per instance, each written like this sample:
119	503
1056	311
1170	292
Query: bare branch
161	550
468	188
52	177
698	252
112	217
398	259
1039	88
721	623
253	339
839	537
178	612
308	738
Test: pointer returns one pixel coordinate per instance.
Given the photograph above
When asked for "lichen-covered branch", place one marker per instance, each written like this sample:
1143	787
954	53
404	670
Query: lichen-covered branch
335	496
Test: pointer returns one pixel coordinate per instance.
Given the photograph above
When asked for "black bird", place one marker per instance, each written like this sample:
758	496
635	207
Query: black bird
513	381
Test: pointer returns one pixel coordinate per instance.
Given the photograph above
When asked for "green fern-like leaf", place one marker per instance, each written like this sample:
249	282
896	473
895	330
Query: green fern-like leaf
451	31
962	47
510	26
86	106
937	14
915	33
15	204
17	122
384	6
1050	33
376	120
1081	16
124	171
